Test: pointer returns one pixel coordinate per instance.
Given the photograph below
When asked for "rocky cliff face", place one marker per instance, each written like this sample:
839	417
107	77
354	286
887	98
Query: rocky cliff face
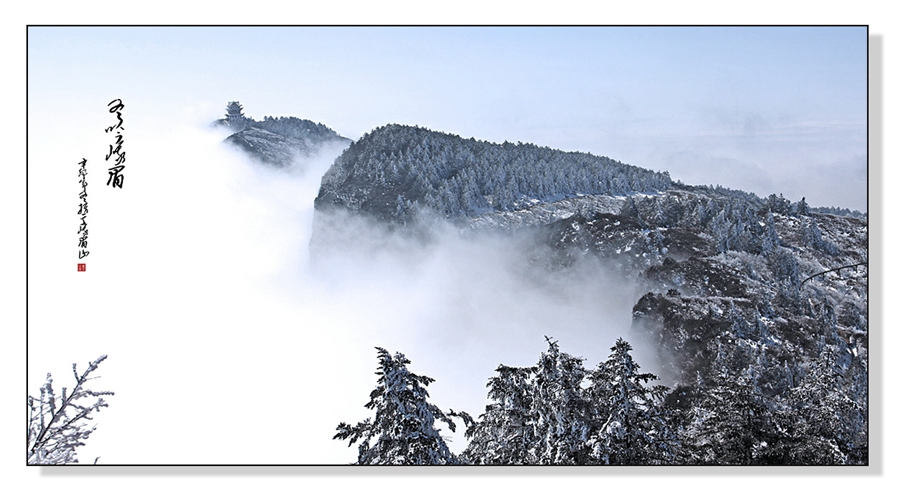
704	303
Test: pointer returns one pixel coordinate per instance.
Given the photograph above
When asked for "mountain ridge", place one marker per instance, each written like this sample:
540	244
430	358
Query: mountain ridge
733	288
396	169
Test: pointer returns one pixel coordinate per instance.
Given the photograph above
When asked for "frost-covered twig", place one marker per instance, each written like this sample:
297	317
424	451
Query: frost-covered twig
54	433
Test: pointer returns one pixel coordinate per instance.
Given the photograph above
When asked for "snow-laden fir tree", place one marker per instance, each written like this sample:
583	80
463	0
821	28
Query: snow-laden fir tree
826	418
812	237
562	419
504	435
403	430
539	415
632	426
57	425
778	204
547	415
733	421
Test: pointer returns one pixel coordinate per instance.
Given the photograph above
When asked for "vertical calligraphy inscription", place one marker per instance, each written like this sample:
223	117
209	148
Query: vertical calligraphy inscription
82	214
116	175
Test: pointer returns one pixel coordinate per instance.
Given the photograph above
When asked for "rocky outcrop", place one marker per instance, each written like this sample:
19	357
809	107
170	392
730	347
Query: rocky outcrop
725	281
280	141
269	147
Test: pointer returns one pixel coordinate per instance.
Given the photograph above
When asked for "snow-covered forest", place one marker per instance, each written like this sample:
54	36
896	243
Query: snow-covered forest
558	412
395	170
756	307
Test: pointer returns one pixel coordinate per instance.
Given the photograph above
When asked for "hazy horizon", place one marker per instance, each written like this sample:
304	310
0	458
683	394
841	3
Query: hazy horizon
762	109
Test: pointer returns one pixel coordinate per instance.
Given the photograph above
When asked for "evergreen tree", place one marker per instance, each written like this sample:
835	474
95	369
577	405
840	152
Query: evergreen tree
539	414
826	424
802	209
770	239
812	236
633	428
722	231
784	266
505	434
733	421
403	430
778	204
560	409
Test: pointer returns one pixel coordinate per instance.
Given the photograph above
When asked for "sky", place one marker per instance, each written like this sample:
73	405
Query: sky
763	109
197	289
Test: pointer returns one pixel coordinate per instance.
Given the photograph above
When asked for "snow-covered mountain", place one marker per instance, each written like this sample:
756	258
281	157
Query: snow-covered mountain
764	297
